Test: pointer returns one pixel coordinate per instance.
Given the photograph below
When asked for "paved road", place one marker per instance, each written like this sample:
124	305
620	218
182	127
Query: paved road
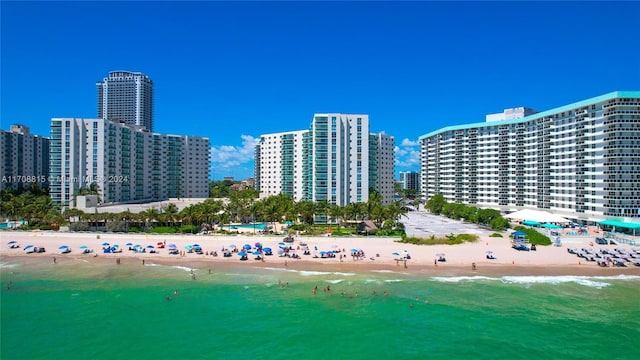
423	224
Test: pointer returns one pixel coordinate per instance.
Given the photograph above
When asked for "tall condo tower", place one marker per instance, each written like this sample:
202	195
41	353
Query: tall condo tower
126	97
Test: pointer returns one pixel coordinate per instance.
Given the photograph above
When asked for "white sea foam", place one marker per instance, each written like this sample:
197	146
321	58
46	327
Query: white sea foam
338	281
581	280
393	280
177	267
590	281
315	273
455	279
5	265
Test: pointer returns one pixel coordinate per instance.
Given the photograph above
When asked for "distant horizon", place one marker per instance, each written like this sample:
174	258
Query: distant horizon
232	71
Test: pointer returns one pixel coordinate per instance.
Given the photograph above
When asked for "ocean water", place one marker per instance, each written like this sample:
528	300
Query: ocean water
88	311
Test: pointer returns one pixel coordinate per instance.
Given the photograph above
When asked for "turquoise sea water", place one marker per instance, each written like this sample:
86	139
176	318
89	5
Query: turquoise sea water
83	311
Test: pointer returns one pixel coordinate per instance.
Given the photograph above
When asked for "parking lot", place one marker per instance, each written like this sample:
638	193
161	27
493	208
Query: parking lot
422	224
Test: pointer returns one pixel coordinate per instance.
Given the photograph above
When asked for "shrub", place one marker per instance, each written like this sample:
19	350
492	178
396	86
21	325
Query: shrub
448	240
162	230
534	237
79	226
496	235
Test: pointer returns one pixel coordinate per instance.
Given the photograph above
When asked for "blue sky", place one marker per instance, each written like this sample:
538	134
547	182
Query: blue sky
232	71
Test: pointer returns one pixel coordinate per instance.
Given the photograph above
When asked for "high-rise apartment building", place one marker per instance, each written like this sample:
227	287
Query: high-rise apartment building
24	159
382	165
126	96
127	163
580	160
334	160
410	180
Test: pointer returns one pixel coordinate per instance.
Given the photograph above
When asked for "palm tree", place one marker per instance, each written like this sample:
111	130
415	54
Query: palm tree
336	212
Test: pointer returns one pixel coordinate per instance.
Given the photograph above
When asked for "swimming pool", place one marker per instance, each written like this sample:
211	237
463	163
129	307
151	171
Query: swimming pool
257	226
11	224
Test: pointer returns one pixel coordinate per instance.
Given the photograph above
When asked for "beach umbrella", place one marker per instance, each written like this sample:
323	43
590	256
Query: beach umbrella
150	246
257	253
258	245
172	246
128	244
12	242
196	245
280	251
247	246
63	247
84	247
440	255
354	250
188	247
334	246
28	247
232	246
395	253
242	253
267	249
105	244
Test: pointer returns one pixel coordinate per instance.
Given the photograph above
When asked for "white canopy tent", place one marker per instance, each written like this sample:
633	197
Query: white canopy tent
536	215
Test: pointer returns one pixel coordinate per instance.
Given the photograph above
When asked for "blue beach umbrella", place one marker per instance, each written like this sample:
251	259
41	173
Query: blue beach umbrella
150	246
27	247
128	244
247	246
257	253
63	247
12	242
242	253
84	247
258	245
188	247
232	246
354	250
105	244
281	244
395	253
267	249
172	246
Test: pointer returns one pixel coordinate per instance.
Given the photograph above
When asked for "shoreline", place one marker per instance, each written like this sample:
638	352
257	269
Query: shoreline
546	261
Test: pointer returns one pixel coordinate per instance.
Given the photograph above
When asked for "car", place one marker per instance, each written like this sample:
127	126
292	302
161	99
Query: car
602	241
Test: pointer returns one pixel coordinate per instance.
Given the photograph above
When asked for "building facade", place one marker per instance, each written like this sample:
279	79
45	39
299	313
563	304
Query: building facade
126	96
126	163
410	180
333	161
581	160
382	165
24	159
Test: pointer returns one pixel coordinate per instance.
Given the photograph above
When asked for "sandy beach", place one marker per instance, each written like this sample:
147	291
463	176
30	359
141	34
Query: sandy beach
378	254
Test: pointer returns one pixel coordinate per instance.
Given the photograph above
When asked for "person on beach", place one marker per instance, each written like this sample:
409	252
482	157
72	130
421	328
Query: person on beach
118	261
473	266
54	260
175	292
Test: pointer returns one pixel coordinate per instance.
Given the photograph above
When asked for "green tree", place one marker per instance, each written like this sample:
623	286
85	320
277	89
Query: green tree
436	204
